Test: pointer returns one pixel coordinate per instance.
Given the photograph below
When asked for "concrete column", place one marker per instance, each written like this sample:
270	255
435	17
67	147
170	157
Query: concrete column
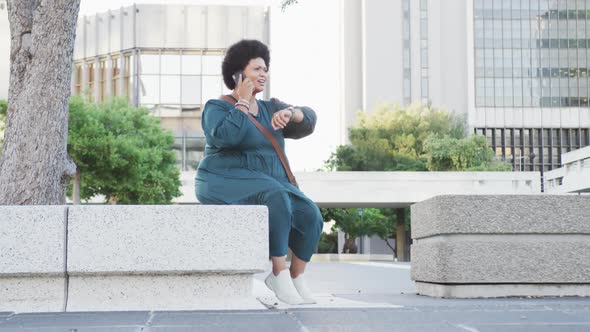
96	83
400	241
84	77
108	87
366	245
73	80
340	241
121	80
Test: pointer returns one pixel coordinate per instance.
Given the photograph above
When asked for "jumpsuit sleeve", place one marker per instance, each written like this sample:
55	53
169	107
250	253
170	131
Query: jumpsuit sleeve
296	130
224	126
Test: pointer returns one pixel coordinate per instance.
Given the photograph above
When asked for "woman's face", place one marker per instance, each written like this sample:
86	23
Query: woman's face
257	72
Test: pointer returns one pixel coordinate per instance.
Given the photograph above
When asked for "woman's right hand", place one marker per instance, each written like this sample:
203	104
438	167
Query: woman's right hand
244	88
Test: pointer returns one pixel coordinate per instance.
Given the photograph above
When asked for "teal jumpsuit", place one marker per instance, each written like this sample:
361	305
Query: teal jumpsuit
241	167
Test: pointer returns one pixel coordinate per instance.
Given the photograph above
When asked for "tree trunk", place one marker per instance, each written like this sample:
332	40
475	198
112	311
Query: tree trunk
113	200
390	247
349	246
407	248
76	191
35	167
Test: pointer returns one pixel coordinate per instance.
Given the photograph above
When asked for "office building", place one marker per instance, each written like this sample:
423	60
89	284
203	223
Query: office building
166	58
517	68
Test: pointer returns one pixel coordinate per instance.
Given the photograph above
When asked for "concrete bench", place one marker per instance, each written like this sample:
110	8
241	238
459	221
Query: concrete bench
92	258
499	246
32	258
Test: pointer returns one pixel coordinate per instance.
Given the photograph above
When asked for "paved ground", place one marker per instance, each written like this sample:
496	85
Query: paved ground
379	297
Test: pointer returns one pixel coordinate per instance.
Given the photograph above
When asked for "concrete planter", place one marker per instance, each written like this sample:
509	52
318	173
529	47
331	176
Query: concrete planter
495	246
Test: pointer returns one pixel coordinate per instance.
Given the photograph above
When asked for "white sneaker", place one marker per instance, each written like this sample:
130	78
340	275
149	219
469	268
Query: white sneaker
282	286
303	290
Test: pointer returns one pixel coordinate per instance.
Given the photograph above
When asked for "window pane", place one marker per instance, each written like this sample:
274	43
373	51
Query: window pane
211	88
191	65
149	64
212	65
149	89
170	89
424	87
170	64
191	90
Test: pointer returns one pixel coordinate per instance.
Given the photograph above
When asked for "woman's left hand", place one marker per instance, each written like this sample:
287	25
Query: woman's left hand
281	118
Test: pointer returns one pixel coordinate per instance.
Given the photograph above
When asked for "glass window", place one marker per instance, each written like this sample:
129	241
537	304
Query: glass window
423	29
212	88
576	138
149	89
191	64
424	87
170	64
212	64
406	29
424	57
149	64
480	87
406	5
191	90
407	92
170	90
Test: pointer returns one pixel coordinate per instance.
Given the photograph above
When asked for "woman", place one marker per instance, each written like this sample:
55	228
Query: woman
242	167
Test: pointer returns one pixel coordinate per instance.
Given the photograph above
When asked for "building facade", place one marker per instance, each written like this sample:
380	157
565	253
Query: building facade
166	58
517	68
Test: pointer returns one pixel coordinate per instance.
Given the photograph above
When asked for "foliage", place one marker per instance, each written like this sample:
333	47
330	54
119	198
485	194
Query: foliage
465	154
3	108
122	153
361	222
287	3
328	243
392	139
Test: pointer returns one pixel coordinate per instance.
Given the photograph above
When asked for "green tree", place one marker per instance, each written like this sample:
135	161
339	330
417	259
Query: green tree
392	139
121	152
356	223
412	138
464	154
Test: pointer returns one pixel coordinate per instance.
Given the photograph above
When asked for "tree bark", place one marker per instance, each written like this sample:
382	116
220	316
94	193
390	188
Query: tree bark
350	246
390	247
35	167
76	189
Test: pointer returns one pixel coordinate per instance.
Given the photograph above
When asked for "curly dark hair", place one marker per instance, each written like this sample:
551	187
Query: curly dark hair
239	55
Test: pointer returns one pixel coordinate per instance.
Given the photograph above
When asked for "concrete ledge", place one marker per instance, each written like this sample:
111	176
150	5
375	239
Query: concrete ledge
32	251
503	290
164	257
501	214
502	259
32	294
32	240
79	258
168	239
464	242
162	292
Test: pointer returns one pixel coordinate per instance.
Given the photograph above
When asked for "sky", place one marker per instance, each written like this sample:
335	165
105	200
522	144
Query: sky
304	66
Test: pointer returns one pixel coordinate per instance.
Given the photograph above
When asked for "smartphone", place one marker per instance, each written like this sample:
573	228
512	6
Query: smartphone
236	76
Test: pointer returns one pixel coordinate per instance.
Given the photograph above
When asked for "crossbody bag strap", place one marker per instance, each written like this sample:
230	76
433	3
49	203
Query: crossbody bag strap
271	138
